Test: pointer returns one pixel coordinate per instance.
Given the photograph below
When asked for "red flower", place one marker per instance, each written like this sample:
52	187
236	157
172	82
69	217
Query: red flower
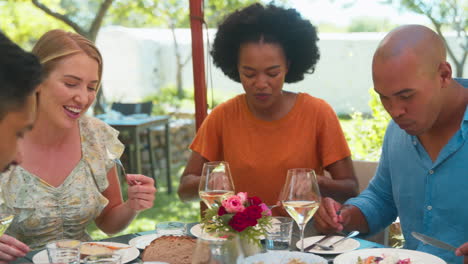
222	211
254	200
241	221
254	212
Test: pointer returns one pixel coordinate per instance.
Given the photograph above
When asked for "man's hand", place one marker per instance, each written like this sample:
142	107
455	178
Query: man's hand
327	220
463	251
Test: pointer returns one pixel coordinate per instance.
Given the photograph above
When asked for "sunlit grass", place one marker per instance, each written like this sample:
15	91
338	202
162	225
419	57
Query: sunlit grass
167	207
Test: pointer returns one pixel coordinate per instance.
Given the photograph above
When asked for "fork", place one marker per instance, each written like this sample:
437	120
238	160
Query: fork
331	247
120	165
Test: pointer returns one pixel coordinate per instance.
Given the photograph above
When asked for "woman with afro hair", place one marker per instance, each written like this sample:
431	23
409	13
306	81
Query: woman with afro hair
266	131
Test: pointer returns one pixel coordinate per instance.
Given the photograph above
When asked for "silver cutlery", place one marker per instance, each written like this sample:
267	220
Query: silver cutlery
317	243
119	164
432	241
331	247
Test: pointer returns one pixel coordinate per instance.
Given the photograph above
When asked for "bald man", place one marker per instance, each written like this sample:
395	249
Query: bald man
422	175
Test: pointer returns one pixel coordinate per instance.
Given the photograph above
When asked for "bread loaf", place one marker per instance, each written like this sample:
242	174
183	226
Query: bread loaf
170	249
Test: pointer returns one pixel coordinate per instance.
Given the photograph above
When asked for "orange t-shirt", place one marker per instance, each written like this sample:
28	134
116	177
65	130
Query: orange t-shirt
260	152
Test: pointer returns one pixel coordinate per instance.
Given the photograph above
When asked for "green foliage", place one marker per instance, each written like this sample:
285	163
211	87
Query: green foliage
24	23
167	207
365	135
167	101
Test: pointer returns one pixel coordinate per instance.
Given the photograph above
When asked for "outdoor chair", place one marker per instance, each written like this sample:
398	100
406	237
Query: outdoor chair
150	146
130	109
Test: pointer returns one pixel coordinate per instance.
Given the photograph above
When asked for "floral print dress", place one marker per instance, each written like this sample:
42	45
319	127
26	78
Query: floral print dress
44	213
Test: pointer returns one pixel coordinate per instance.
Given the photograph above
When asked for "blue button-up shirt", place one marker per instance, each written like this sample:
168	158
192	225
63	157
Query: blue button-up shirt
429	197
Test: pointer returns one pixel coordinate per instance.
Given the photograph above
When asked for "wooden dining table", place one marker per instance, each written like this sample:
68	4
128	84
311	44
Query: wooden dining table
126	238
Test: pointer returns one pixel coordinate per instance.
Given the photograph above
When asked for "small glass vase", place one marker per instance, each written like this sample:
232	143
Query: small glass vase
250	247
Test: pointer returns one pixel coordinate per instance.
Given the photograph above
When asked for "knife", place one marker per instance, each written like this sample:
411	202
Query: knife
432	241
317	242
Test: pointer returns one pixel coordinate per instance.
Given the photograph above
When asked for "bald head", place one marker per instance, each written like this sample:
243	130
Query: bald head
426	46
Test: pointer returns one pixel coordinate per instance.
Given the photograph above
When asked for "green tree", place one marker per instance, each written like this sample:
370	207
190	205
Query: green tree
24	23
91	15
366	134
444	14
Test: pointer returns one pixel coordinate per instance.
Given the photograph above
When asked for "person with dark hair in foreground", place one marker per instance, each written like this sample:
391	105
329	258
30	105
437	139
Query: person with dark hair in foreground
422	173
20	73
267	130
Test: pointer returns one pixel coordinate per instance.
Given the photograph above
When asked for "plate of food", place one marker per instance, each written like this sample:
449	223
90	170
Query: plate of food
127	252
342	247
141	242
387	256
285	257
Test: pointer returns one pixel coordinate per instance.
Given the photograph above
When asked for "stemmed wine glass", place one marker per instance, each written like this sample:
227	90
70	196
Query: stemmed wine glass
215	183
5	221
301	197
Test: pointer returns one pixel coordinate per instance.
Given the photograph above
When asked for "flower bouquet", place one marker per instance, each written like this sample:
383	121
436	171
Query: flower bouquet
238	214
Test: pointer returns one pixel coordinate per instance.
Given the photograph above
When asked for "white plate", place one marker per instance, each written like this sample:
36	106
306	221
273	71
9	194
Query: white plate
283	257
128	254
416	257
345	246
197	230
141	242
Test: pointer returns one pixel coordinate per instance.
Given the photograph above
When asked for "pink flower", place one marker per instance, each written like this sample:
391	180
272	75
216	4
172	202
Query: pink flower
242	196
233	204
265	209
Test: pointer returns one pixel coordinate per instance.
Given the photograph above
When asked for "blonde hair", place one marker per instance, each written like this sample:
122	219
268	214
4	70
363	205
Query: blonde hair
57	44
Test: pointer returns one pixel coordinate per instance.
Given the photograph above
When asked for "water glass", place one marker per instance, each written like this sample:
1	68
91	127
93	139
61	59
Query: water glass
278	236
170	228
226	251
103	259
64	251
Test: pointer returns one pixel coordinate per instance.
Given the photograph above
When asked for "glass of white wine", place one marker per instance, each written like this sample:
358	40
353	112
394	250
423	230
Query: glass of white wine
301	197
215	182
5	220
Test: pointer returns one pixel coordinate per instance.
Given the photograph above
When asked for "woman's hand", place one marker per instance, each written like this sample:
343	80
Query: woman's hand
141	192
11	249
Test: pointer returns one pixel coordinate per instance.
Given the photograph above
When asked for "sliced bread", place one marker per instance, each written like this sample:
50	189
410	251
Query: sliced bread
170	249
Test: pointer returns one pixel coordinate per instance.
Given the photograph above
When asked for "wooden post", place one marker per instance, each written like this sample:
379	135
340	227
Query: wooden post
196	25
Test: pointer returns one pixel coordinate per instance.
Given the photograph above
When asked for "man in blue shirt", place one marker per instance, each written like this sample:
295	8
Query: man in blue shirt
422	175
20	73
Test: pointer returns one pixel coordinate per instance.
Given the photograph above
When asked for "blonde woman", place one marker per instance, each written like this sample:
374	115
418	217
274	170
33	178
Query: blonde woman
68	178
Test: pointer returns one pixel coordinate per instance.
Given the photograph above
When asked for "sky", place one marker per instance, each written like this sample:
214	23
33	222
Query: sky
319	11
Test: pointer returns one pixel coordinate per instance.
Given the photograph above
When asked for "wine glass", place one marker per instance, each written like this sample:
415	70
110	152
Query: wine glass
301	197
215	182
219	251
5	220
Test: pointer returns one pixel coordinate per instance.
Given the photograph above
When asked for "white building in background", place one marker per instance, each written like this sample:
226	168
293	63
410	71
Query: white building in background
140	61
